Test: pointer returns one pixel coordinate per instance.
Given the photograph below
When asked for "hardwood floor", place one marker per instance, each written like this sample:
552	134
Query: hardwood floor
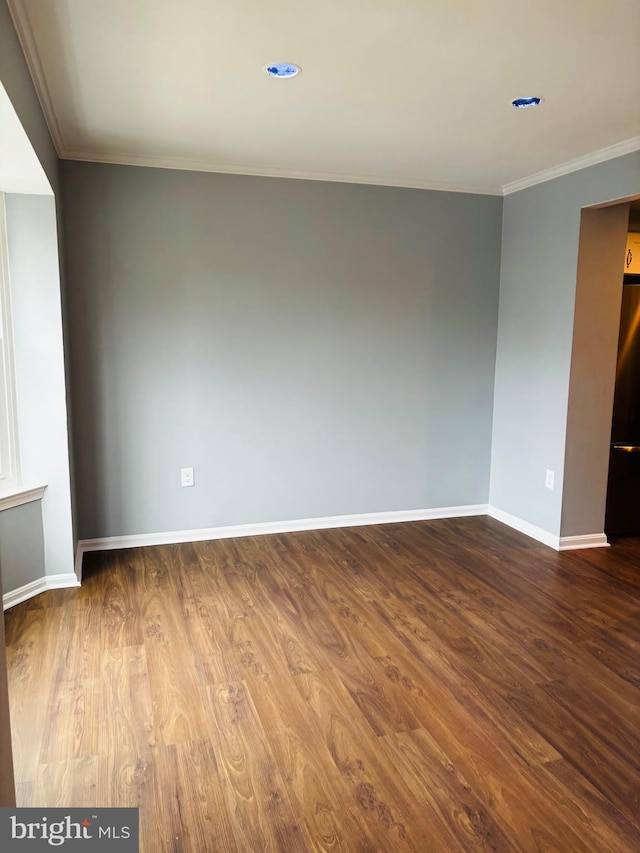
435	686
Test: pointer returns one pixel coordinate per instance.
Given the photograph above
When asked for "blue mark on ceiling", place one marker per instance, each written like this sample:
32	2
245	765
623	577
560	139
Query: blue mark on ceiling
282	69
523	103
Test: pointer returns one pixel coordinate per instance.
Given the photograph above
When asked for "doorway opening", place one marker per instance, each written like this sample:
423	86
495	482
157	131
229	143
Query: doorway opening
596	327
622	516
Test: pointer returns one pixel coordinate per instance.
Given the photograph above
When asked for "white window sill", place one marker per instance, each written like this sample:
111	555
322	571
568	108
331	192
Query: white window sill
18	495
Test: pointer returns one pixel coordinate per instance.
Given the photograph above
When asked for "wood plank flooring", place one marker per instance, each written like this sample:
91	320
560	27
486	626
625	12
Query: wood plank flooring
435	686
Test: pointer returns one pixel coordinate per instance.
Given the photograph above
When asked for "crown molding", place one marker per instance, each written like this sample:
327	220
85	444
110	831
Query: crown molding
24	31
601	156
189	165
186	164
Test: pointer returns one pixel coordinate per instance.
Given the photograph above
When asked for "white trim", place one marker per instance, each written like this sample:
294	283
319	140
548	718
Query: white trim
80	552
558	543
628	146
29	590
24	31
525	527
601	156
590	540
176	537
19	495
261	529
189	165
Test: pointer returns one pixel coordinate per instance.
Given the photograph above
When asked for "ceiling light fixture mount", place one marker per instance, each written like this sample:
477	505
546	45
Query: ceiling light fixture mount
283	70
525	103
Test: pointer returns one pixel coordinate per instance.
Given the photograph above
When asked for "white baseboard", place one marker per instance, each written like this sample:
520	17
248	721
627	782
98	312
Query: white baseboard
174	537
80	550
592	540
29	590
262	529
558	543
71	579
522	526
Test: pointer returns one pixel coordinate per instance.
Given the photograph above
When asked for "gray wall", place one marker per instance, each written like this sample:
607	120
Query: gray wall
541	227
21	546
310	348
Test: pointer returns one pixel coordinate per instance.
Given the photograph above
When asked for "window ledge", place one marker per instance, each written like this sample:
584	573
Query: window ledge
18	495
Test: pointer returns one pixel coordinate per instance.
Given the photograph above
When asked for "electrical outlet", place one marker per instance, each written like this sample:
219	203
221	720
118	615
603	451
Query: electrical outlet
186	477
550	479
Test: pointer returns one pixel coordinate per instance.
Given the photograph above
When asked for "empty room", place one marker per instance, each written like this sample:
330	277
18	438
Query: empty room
320	425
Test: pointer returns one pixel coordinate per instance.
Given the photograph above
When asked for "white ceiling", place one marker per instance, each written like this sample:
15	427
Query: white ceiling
403	92
20	169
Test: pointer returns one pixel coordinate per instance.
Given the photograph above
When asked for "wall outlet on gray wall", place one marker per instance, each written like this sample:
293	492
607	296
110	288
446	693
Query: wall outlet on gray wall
549	479
186	477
